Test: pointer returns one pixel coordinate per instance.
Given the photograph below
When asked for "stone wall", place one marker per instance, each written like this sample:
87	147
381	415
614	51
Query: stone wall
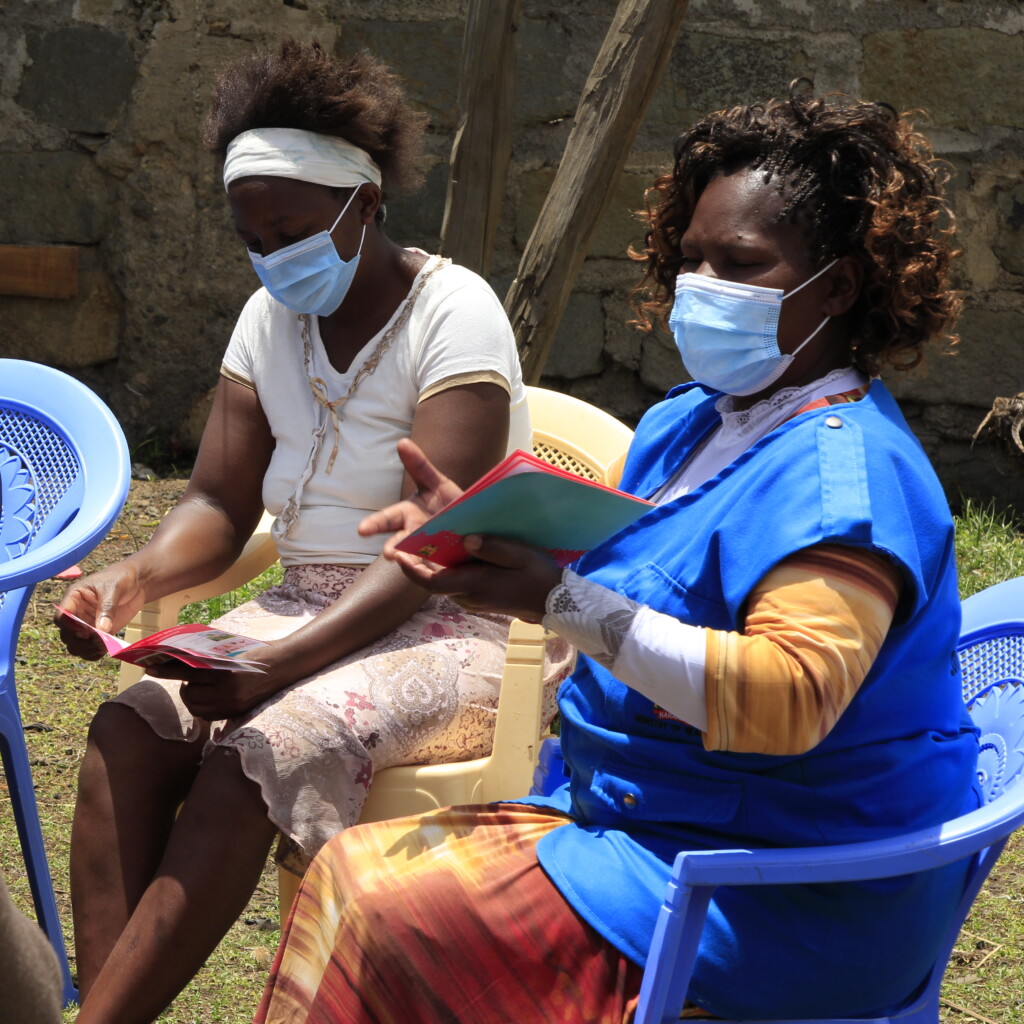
101	102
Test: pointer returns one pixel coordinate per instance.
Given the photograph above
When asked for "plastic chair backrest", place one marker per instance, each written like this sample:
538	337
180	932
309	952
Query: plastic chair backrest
64	476
991	652
577	436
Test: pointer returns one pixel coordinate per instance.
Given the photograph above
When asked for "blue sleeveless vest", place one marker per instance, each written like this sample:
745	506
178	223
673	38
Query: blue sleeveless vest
901	757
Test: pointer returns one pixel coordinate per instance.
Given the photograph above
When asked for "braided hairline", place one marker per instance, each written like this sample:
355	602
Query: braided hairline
857	178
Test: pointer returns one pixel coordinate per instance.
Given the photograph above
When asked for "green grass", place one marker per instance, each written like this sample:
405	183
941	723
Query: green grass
214	607
989	548
59	695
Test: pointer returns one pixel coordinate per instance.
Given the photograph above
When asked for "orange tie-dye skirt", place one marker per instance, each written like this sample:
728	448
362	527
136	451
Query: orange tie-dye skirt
441	918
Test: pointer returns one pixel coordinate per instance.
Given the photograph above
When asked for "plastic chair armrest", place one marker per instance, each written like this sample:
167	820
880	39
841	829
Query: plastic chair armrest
881	858
696	875
47	560
258	554
613	475
509	769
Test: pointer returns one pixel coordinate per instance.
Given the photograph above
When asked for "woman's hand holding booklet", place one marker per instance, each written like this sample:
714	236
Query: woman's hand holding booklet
523	498
196	645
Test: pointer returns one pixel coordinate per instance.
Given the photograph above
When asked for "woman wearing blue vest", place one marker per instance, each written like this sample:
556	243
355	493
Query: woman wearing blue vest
766	658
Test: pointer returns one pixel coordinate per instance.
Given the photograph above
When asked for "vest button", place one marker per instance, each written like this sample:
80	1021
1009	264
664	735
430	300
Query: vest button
833	421
629	800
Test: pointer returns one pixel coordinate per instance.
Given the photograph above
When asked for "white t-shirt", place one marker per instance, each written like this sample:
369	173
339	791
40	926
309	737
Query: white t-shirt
455	332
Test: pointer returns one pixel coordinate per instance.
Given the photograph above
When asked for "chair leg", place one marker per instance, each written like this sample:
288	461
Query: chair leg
26	816
287	890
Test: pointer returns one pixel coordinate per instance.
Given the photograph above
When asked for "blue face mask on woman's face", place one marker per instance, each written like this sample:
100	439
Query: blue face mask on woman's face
727	332
309	276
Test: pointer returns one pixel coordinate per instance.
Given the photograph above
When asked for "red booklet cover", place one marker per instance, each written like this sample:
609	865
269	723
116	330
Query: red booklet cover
524	498
196	645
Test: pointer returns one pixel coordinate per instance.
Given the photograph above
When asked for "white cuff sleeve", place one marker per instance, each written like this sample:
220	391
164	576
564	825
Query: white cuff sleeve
652	653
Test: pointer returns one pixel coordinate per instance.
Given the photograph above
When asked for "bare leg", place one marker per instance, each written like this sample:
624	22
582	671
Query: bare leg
129	788
217	849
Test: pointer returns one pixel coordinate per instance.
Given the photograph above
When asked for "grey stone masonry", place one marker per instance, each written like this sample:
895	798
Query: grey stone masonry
101	103
79	77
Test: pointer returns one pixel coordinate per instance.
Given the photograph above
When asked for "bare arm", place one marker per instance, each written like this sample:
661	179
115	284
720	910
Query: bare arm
203	533
206	531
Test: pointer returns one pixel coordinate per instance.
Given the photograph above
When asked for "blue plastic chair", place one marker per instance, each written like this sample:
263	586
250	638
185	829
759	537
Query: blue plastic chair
992	657
64	475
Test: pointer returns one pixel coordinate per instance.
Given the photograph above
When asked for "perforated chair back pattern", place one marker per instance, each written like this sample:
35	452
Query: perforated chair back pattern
577	437
991	652
64	475
38	471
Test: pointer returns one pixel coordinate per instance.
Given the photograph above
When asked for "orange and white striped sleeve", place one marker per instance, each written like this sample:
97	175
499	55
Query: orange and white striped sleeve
813	628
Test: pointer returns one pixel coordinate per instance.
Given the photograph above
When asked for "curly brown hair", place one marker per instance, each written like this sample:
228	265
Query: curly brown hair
861	182
300	85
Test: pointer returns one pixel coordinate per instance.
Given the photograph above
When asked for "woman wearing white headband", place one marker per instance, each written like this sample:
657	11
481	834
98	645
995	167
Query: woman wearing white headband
352	343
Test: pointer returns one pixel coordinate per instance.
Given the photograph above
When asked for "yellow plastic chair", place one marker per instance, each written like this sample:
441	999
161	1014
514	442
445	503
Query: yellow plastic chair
568	433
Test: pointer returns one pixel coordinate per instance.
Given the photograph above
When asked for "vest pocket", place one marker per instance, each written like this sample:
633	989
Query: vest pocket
658	589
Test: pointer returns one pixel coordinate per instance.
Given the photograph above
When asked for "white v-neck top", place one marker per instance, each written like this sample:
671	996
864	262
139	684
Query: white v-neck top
456	332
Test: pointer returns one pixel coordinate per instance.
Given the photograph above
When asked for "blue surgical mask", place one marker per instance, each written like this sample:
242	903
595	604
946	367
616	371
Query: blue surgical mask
309	276
727	333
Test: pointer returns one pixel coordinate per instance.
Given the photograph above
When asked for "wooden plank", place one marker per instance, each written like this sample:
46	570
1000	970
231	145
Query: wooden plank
483	140
615	97
42	271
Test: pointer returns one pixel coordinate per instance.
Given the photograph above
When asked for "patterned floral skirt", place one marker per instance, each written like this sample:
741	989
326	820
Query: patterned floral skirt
425	693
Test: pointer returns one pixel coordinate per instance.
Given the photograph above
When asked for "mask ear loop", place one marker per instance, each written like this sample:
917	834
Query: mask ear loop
355	192
813	333
361	237
337	220
828	266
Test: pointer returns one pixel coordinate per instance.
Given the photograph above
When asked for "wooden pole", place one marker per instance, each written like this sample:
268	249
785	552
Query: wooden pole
483	140
615	97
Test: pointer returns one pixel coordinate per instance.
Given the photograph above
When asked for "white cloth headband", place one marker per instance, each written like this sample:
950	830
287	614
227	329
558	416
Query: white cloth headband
294	153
